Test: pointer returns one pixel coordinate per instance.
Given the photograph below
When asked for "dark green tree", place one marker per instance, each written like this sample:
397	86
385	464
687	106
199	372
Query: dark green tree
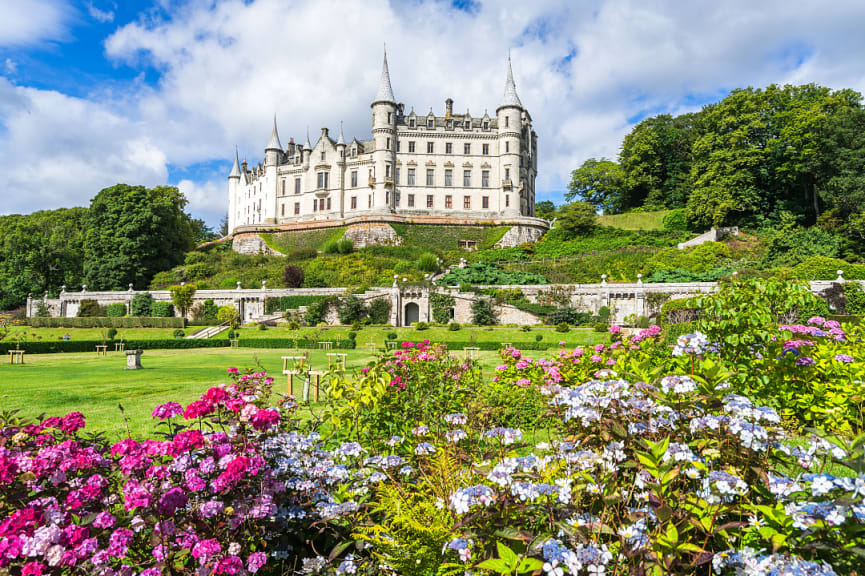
545	209
598	182
134	232
577	218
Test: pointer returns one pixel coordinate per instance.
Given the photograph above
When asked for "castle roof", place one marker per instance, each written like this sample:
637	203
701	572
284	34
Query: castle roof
235	170
510	98
385	92
274	138
341	139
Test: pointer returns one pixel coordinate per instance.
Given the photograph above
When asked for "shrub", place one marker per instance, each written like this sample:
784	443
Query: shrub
379	311
483	313
643	322
111	333
261	327
679	310
182	297
345	246
231	334
351	309
577	218
676	221
104	322
601	327
293	325
90	309
442	305
855	298
604	313
454	327
391	335
115	310
355	326
227	313
539	337
823	268
428	262
316	312
421	325
292	276
352	336
525	328
179	333
162	310
563	327
331	248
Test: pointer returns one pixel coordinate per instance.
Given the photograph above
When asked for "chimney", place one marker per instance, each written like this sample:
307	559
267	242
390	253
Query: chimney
449	108
324	132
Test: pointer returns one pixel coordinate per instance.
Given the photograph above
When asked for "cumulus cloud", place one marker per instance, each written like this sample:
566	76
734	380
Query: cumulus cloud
100	15
30	22
586	71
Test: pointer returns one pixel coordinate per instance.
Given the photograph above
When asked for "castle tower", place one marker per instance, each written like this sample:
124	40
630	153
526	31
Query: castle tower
307	151
509	115
340	163
384	111
233	191
270	187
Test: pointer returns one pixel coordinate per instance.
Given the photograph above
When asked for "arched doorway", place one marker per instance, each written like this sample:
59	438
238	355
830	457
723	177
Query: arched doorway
412	313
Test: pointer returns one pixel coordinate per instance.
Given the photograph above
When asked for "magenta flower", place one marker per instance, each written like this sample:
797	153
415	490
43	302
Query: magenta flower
256	561
167	410
172	500
819	320
615	329
232	370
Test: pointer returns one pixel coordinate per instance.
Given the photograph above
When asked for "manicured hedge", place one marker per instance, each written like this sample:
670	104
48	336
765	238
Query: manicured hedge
104	322
57	346
494	346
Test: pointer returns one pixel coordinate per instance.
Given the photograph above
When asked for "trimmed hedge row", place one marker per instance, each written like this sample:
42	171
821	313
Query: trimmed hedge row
107	322
57	346
495	346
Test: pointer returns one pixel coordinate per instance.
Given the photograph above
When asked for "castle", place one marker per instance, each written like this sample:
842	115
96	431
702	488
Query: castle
452	166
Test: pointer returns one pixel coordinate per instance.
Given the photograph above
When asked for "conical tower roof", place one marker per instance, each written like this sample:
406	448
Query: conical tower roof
307	146
510	98
341	140
385	92
274	143
235	170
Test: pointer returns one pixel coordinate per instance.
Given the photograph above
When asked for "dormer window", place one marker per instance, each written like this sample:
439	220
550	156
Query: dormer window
468	125
354	152
411	123
430	123
450	125
486	124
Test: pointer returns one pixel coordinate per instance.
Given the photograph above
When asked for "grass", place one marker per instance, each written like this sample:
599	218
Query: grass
635	220
55	384
288	242
31	334
444	238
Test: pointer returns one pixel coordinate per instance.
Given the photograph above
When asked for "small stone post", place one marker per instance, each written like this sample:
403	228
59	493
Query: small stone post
133	359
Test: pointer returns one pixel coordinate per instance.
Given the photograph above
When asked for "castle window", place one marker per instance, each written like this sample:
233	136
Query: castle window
449	201
387	170
507	146
397	145
328	203
321	204
430	176
369	201
387	144
354	152
507	200
323	155
467	202
430	147
282	186
411	123
449	124
389	117
468	124
410	177
411	146
411	200
449	148
485	178
467	148
282	210
429	201
296	208
430	123
297	185
387	197
354	202
314	205
486	150
396	175
323	179
396	199
449	175
486	125
354	178
486	202
467	178
507	174
521	161
506	121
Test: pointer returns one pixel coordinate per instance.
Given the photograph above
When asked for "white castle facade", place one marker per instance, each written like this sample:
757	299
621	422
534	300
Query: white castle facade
454	165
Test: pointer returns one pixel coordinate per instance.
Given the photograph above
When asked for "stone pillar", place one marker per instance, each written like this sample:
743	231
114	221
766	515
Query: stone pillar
133	359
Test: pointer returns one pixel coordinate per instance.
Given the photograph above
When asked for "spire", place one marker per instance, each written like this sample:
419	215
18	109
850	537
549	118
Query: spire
235	170
510	97
385	92
341	140
307	146
274	138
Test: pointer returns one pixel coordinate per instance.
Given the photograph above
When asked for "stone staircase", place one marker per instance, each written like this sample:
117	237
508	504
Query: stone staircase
208	332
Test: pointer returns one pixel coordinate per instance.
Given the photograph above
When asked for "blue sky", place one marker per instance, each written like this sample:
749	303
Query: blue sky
104	91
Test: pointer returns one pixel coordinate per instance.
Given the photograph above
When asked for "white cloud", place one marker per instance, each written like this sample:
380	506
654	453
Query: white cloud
32	21
100	15
583	70
10	66
206	199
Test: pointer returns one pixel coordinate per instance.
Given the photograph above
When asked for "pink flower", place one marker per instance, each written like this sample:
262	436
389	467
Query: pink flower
229	565
72	422
595	358
502	367
232	370
167	410
599	348
197	409
264	419
205	550
172	500
256	561
615	329
819	320
33	569
562	343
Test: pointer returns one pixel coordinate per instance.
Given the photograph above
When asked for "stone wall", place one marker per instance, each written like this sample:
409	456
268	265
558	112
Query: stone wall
251	243
520	234
372	234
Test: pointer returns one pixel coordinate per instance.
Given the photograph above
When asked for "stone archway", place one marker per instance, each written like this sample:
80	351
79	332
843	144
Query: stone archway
412	313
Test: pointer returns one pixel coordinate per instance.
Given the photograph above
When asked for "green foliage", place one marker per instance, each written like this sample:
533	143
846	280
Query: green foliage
638	219
351	309
479	273
304	243
545	209
261	327
855	296
428	262
568	315
791	245
822	268
420	326
379	311
601	327
454	327
597	183
442	239
697	259
134	232
391	335
227	313
292	276
297	300
683	275
676	221
111	333
563	327
317	311
576	219
106	322
331	248
162	309
182	297
179	333
115	310
679	310
441	304
345	246
604	313
90	309
483	313
538	337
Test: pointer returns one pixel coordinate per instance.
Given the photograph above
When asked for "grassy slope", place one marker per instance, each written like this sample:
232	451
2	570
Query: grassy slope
441	239
288	242
635	220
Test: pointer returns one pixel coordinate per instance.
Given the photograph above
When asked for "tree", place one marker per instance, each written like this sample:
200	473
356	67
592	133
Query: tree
483	313
223	227
577	218
545	209
598	182
201	232
134	232
292	276
141	305
182	297
227	313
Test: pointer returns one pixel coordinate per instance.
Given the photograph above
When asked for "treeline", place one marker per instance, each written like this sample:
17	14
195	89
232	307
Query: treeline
758	156
126	235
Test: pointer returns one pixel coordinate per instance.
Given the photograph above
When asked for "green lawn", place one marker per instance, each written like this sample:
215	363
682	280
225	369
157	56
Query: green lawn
34	334
635	220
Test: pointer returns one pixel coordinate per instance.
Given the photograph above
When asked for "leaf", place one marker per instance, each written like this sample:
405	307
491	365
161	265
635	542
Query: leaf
496	565
506	554
529	565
